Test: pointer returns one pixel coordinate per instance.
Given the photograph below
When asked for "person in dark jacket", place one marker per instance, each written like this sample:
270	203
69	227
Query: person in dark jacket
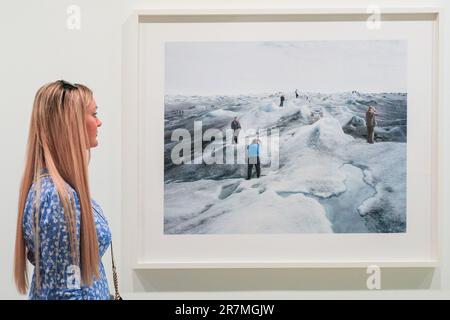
236	126
253	159
281	101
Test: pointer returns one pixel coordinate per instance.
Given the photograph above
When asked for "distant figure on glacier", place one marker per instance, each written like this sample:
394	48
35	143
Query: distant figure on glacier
281	100
236	126
253	158
296	94
371	123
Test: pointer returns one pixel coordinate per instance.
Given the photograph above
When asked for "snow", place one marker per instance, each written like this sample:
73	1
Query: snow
329	179
195	196
312	173
389	201
255	209
252	212
222	114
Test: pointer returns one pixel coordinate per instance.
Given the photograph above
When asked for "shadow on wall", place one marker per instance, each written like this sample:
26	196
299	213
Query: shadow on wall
278	279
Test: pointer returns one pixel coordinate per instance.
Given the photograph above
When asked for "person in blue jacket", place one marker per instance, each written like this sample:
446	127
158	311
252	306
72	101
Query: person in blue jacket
253	158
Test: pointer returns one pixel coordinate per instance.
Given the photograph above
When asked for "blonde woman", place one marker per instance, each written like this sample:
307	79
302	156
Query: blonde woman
60	230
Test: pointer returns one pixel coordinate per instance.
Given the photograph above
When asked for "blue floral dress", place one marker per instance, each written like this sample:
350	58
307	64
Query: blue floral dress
59	277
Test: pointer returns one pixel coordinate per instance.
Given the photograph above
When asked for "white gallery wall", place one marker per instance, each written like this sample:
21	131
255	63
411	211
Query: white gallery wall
37	47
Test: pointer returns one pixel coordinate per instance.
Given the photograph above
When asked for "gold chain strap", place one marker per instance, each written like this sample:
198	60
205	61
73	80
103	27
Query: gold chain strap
116	281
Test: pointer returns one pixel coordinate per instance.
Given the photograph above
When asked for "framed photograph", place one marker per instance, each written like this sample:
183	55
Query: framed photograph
289	138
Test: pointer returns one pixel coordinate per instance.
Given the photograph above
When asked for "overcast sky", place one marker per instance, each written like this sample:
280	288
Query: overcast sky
207	68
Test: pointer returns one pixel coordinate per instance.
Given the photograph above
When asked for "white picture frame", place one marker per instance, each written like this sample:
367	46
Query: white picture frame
145	244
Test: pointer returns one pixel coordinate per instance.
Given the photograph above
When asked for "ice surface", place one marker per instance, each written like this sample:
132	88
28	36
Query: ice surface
195	196
329	180
255	209
311	172
386	209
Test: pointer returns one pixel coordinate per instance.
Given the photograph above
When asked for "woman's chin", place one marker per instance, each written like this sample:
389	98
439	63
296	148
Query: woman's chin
94	144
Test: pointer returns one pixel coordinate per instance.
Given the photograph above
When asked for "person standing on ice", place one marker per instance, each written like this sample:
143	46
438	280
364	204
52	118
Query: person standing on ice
370	123
281	100
236	126
253	159
296	94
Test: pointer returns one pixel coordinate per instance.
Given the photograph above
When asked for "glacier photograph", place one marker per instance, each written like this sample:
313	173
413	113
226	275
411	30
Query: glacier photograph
285	137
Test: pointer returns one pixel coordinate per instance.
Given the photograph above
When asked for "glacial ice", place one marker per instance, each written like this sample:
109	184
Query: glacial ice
329	180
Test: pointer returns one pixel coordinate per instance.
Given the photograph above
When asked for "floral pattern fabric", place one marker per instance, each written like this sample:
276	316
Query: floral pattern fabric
59	276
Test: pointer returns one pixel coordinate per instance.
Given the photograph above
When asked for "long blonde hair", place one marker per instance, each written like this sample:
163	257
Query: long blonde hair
58	142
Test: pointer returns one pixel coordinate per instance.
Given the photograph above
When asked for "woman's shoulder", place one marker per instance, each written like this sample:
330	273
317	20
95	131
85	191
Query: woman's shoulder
49	201
48	190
